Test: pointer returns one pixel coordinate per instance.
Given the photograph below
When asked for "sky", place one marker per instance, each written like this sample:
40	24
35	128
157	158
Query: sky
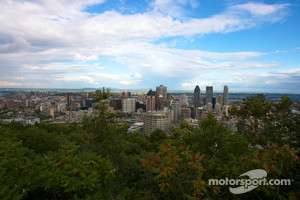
251	46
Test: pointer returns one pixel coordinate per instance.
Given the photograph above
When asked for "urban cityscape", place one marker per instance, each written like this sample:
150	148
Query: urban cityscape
149	99
146	112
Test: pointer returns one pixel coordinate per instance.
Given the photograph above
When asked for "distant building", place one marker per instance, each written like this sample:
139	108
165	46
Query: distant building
199	112
150	103
157	120
225	95
128	105
218	108
219	100
125	94
183	100
136	127
140	98
209	107
185	112
162	91
209	94
197	93
52	112
176	110
140	106
116	104
89	102
10	103
32	120
70	98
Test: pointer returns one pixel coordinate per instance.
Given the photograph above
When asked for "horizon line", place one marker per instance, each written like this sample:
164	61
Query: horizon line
140	90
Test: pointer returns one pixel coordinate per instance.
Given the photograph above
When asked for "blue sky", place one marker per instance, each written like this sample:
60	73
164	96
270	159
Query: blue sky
251	46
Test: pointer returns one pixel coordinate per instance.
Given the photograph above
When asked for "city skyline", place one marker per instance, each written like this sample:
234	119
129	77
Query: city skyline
251	46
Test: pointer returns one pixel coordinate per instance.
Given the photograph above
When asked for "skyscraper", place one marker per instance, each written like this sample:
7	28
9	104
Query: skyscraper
150	103
183	100
162	91
209	94
70	98
197	93
219	100
150	100
156	120
225	95
128	105
176	110
70	101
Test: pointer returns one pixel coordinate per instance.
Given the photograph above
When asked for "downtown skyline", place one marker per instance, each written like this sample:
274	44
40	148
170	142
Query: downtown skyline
251	46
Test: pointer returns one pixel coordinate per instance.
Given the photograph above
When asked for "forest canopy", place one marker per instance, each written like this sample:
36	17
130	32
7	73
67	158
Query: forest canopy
98	159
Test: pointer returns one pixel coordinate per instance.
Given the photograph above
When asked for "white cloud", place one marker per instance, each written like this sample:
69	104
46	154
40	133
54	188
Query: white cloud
82	58
9	84
270	81
260	9
18	44
40	36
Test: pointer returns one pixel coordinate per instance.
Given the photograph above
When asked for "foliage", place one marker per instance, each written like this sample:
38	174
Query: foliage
262	121
98	159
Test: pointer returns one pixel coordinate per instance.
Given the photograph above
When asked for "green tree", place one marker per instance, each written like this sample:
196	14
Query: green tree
263	122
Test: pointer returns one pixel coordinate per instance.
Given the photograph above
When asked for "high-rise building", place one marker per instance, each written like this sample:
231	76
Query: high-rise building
225	95
156	120
150	100
70	98
176	110
150	103
219	100
128	105
185	112
197	94
209	107
162	91
126	94
183	100
209	94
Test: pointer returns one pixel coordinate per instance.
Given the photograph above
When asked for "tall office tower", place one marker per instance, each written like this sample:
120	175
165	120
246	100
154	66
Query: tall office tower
150	100
162	91
165	93
125	94
150	103
83	97
176	110
225	95
185	112
128	105
209	94
219	100
197	93
70	98
156	120
183	100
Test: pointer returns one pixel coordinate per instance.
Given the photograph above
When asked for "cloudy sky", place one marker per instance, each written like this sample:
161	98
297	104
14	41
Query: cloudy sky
251	46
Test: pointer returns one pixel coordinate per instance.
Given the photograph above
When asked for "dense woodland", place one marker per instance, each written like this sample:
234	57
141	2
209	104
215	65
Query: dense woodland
98	159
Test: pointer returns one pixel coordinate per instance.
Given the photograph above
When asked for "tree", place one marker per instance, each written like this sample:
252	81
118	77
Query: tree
263	122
